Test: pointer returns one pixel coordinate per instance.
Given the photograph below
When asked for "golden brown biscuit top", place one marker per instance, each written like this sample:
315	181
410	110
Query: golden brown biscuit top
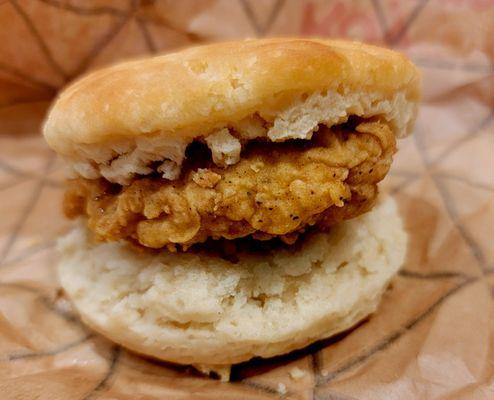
117	121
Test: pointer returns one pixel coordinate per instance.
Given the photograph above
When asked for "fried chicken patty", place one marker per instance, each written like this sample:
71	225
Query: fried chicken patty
275	190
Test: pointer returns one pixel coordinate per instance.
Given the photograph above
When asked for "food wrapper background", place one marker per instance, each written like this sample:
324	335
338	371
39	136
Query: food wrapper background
433	335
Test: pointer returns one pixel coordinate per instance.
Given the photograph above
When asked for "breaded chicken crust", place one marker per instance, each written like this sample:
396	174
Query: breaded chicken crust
275	190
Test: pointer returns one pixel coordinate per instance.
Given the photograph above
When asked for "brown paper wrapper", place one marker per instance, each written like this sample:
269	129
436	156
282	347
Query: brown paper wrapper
433	335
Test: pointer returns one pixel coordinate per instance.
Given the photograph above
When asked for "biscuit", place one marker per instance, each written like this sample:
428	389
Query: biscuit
193	308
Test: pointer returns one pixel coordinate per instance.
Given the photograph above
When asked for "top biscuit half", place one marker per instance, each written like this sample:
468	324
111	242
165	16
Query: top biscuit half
138	116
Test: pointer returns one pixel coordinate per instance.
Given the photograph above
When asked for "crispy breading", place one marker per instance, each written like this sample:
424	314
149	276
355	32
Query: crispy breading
274	190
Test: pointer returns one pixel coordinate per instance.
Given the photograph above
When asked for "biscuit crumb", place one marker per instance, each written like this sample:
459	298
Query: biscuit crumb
225	148
281	388
169	170
296	373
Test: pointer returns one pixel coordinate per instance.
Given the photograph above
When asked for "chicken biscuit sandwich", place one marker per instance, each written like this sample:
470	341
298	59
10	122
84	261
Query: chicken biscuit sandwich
226	195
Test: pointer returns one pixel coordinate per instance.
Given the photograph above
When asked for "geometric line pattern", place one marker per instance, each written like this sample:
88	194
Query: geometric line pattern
262	29
114	356
39	40
33	199
446	280
450	208
396	38
390	339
